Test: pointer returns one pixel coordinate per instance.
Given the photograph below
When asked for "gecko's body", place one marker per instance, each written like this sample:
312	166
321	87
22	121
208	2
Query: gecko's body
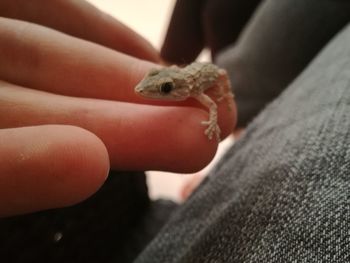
175	83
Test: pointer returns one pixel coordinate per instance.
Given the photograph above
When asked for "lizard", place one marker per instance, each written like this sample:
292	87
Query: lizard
177	84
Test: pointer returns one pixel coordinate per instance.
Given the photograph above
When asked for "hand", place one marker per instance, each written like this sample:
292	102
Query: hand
68	110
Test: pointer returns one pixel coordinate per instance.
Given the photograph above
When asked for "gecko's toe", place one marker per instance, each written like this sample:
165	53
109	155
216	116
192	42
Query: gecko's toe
211	130
205	123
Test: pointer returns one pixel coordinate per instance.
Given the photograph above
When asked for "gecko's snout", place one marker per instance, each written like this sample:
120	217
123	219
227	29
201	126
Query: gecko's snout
138	89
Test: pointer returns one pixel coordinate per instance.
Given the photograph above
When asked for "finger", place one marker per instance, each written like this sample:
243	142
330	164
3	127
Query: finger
48	60
184	39
41	58
138	137
48	166
82	20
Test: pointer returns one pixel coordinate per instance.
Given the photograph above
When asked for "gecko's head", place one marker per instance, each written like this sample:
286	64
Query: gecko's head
163	84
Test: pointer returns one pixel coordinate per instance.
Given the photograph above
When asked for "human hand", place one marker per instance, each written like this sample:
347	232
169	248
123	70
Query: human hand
68	109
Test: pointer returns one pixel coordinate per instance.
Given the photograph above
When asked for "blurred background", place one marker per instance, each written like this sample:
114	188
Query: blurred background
150	19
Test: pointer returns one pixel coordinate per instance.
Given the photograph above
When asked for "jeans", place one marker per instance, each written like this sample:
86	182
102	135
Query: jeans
282	192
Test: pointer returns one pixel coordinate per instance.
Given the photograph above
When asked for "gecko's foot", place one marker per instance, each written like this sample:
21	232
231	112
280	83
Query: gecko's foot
220	98
213	128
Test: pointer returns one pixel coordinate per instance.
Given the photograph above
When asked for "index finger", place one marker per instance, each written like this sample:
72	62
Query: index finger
137	137
41	58
82	20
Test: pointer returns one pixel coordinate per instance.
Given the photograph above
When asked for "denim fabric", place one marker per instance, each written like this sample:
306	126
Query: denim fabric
275	47
282	192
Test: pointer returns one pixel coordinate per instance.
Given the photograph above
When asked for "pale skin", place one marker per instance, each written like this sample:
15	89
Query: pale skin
68	111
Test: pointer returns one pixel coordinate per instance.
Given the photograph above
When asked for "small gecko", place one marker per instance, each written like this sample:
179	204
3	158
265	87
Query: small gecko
177	84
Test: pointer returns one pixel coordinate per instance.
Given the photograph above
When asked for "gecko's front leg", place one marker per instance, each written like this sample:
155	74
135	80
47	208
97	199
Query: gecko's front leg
212	123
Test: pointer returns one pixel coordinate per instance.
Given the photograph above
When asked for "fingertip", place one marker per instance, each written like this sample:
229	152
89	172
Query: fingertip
49	166
85	164
182	138
167	139
199	147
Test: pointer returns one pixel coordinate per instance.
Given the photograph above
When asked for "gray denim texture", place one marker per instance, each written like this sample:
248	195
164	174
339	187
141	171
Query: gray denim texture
274	48
282	192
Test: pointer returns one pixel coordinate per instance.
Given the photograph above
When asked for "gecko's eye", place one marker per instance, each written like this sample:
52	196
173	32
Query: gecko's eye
166	87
